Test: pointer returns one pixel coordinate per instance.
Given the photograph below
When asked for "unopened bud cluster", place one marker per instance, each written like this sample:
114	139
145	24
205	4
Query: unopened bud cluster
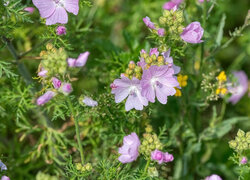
149	143
241	141
133	71
43	176
214	86
54	61
173	21
84	168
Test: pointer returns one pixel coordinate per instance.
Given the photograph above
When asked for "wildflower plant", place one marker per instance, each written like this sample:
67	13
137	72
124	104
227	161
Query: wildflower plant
124	89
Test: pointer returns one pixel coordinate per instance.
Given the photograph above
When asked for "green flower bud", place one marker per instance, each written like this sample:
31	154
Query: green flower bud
78	166
166	13
240	133
152	172
233	144
163	20
149	60
138	69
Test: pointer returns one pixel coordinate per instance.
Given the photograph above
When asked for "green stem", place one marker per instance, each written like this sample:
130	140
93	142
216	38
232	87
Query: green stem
75	118
146	167
222	112
204	27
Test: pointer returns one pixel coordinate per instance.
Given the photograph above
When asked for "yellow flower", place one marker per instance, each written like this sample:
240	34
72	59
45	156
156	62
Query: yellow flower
222	76
178	92
182	79
222	91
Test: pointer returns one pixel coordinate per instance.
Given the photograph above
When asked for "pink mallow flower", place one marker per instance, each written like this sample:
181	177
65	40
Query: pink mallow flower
161	156
130	148
80	61
66	88
61	30
125	87
169	61
5	178
89	102
240	88
29	9
243	160
55	11
158	81
173	4
161	32
154	51
213	177
45	98
148	22
56	83
193	33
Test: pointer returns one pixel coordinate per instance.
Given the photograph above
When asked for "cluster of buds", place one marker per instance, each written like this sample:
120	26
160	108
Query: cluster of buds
221	79
133	70
214	85
241	141
149	143
42	176
84	168
153	58
172	20
54	61
182	79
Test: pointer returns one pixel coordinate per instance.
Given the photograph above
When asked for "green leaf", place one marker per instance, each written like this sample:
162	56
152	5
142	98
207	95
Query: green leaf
220	30
221	128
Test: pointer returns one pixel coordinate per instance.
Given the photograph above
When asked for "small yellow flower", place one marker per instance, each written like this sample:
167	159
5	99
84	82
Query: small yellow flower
222	77
182	79
178	92
221	91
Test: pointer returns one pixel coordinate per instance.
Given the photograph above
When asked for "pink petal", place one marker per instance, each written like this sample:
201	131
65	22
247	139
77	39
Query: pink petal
82	59
45	7
59	16
72	6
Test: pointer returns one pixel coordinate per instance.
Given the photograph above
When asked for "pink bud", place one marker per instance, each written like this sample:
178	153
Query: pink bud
29	9
157	156
45	98
42	73
161	32
56	83
66	88
243	160
61	30
168	157
193	33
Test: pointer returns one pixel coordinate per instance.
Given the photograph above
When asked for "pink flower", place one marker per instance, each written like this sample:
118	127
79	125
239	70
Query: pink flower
130	149
154	51
240	88
158	81
243	160
89	102
123	88
45	98
61	30
173	4
5	178
213	177
169	61
193	33
29	9
55	11
56	83
80	61
66	88
161	32
148	22
161	157
42	73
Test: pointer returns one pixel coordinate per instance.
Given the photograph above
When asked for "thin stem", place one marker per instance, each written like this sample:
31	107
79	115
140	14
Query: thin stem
75	118
222	112
204	27
146	167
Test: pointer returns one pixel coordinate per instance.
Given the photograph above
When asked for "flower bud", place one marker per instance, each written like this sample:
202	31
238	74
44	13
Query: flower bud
131	65
149	60
233	144
162	20
56	83
240	133
66	88
45	98
243	160
61	30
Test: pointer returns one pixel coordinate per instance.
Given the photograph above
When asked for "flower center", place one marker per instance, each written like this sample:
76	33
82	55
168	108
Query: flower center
133	91
155	83
59	3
